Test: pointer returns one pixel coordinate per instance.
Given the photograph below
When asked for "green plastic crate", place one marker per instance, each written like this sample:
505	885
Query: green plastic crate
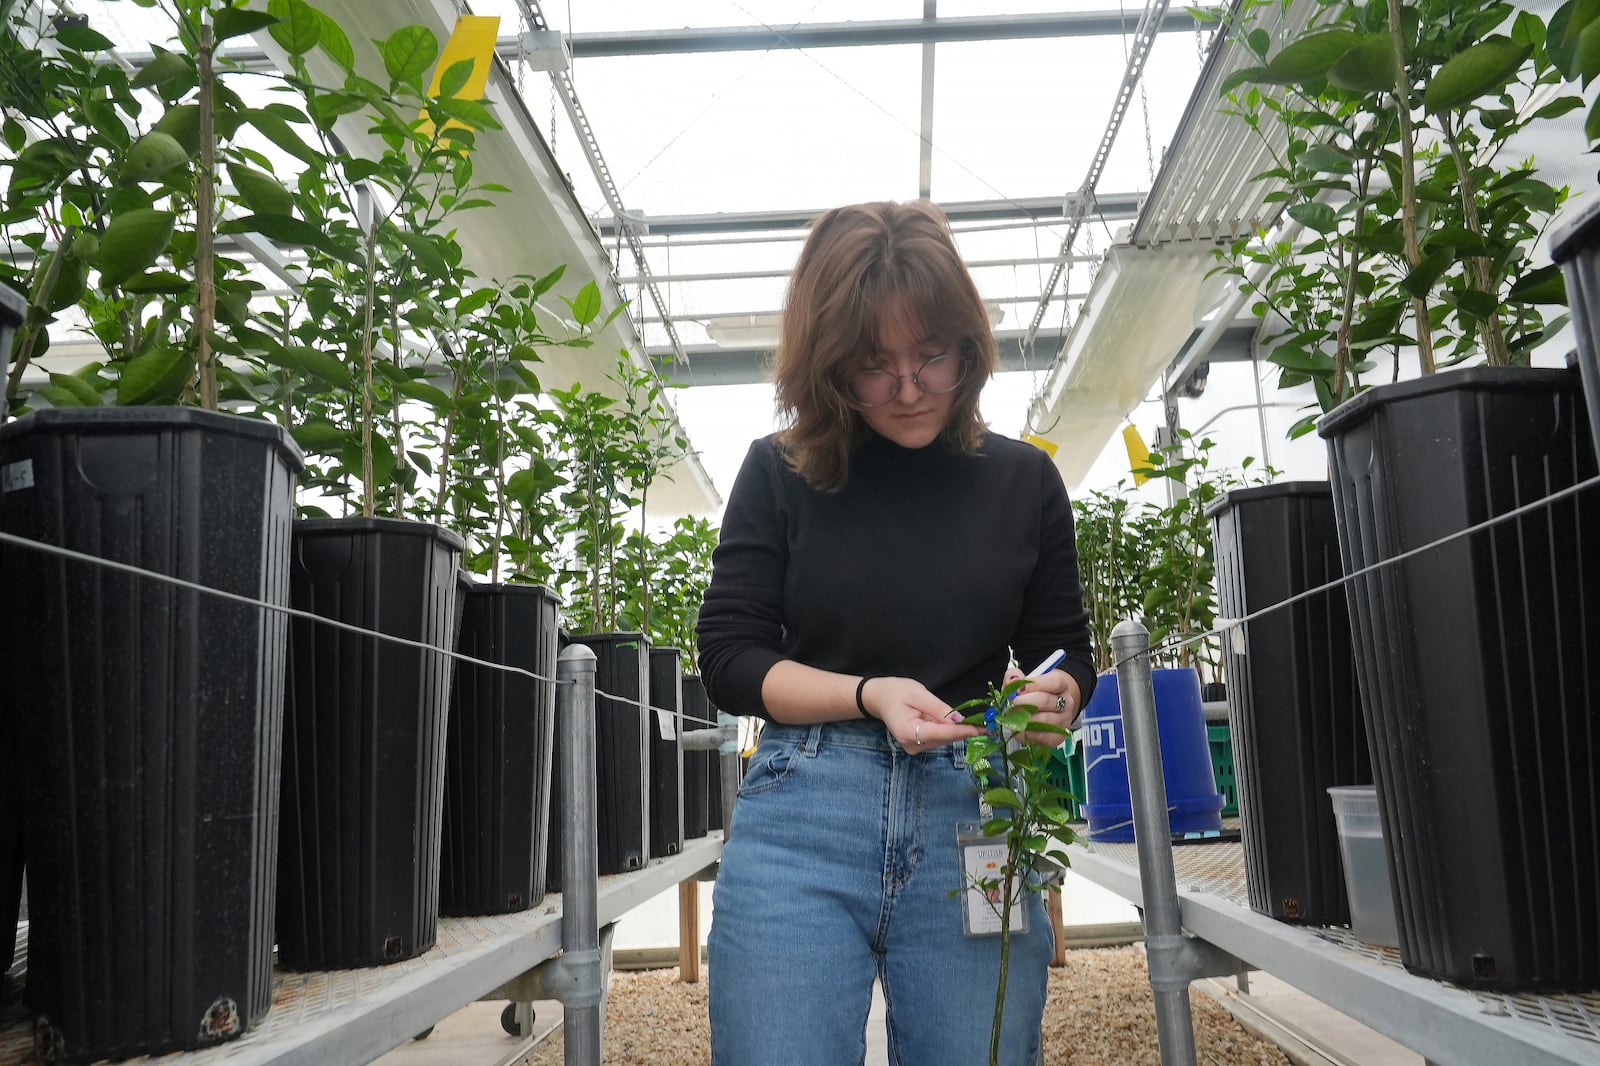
1066	771
1220	740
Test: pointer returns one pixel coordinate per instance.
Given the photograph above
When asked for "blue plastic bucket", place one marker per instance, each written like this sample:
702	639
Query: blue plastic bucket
1193	803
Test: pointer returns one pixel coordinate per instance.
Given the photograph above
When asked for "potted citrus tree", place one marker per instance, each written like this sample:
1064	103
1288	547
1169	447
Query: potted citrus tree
160	749
1420	251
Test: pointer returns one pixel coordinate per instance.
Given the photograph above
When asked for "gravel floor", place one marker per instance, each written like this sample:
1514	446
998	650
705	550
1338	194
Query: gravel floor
1100	1013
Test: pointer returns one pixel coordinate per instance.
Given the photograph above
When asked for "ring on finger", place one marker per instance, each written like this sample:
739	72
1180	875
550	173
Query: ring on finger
1061	703
916	735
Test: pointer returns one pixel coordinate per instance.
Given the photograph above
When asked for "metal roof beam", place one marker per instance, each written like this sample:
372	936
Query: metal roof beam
856	34
1120	206
712	365
803	35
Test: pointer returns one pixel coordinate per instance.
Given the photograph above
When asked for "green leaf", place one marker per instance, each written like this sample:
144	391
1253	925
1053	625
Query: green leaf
289	230
310	361
1326	159
1241	77
1558	107
431	395
182	124
317	435
1312	56
587	304
336	43
299	26
163	68
548	282
72	279
133	241
996	827
260	191
1258	41
409	52
87	395
1527	29
83	39
1542	286
58	396
155	377
427	253
455	78
152	156
162	281
237	21
279	132
1314	216
1591	125
1368	67
1484	68
1001	797
1379	322
1476	303
1423	276
1536	194
1016	718
1292	357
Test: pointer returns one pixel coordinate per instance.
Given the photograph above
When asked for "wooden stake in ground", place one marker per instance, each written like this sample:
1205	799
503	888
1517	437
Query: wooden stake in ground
689	931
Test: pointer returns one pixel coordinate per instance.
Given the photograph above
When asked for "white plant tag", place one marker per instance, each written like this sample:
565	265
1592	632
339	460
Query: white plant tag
664	718
983	859
18	475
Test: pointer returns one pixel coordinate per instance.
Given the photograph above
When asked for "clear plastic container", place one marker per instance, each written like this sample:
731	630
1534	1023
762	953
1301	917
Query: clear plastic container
1366	869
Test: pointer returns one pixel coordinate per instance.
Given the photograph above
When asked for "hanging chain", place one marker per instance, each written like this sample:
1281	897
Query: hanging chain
1149	150
522	56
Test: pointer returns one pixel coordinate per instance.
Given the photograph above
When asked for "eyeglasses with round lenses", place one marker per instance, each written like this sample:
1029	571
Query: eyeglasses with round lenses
937	376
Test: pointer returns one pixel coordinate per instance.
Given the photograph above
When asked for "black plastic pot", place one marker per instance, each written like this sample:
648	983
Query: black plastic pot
364	732
147	720
498	752
622	748
1576	246
666	752
697	714
1293	708
1478	669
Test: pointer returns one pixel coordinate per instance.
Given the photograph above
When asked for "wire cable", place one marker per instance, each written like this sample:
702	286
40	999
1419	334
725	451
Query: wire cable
295	612
1173	643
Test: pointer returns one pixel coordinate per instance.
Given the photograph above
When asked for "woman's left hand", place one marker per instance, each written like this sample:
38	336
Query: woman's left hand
1056	695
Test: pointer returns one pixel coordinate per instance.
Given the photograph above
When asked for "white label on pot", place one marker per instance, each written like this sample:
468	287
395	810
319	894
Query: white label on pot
18	475
664	719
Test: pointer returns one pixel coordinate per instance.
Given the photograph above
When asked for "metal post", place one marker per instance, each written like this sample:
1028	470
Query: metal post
584	1012
729	766
1163	931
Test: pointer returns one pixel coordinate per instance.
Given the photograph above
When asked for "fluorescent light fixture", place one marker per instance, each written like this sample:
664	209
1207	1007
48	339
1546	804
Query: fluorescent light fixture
745	331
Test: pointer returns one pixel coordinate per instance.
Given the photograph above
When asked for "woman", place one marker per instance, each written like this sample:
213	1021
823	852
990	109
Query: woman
882	559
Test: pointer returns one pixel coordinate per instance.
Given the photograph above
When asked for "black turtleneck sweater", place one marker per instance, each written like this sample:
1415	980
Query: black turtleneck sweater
928	564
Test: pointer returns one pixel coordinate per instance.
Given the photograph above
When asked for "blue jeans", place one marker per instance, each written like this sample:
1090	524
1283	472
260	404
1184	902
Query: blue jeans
840	865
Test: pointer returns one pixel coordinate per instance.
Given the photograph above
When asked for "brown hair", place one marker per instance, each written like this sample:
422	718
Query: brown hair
856	260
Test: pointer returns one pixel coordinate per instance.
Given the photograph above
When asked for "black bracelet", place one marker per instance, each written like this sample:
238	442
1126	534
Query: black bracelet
860	706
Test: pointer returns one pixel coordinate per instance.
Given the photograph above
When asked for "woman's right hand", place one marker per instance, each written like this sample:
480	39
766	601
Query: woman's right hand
915	717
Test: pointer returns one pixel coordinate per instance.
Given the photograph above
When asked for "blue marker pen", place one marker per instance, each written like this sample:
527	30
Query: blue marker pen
1051	661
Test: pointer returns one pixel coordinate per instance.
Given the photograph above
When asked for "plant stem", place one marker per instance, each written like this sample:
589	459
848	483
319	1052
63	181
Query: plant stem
1005	949
1494	337
499	468
42	289
448	444
1408	185
1341	351
399	427
369	490
204	236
